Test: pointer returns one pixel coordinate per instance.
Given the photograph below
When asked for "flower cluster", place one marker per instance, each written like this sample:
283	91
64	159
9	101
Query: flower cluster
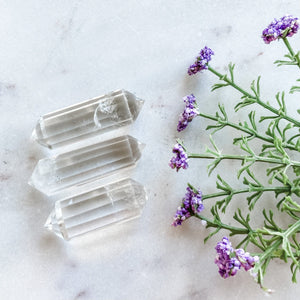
191	204
201	61
181	214
285	26
189	113
247	261
228	266
230	260
181	158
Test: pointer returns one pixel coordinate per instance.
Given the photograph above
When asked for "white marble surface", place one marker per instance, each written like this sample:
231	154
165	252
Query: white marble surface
56	53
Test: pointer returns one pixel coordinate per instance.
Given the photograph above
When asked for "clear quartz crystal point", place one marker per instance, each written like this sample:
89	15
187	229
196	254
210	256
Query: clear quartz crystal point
87	119
97	208
74	168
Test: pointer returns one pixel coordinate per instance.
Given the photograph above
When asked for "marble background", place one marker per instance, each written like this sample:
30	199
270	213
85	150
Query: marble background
56	53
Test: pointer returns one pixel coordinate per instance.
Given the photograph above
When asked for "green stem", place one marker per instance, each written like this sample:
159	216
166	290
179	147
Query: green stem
257	189
248	131
288	232
293	229
246	158
289	47
257	99
267	253
219	224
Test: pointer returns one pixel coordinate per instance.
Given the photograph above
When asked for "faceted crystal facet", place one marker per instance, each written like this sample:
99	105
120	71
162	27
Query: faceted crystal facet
97	208
70	169
86	119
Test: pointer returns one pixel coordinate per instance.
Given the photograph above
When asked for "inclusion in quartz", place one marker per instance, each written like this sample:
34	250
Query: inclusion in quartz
97	208
87	119
74	168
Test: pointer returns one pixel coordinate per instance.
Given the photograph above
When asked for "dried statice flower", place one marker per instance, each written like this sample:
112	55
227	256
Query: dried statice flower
181	214
247	261
191	204
224	246
230	260
201	61
180	160
285	26
189	113
194	200
189	100
228	266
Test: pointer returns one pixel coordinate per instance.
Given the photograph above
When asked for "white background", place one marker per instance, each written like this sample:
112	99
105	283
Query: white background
57	53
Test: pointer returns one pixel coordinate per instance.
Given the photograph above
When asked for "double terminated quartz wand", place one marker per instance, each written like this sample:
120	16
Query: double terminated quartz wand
87	119
101	207
73	169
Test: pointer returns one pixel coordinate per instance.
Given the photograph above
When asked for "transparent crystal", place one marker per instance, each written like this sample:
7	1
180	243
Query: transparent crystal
86	119
97	208
73	168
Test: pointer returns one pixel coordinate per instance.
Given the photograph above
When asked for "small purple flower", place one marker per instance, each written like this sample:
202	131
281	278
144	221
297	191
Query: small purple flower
189	113
180	160
181	214
228	266
201	61
230	260
195	200
224	246
189	100
247	261
285	26
191	204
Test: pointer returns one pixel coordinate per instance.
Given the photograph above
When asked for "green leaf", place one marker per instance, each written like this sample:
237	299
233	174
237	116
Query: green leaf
253	199
222	110
218	86
246	101
244	168
213	165
296	170
255	87
251	116
231	68
294	89
211	234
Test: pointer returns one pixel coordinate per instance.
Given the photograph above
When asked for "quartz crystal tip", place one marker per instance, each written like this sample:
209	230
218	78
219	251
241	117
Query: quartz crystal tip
139	104
135	104
54	225
139	192
37	134
43	175
34	135
136	147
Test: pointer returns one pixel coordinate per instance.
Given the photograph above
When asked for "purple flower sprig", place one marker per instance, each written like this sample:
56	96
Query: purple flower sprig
180	160
271	240
283	28
286	26
201	62
230	260
253	96
189	113
191	204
